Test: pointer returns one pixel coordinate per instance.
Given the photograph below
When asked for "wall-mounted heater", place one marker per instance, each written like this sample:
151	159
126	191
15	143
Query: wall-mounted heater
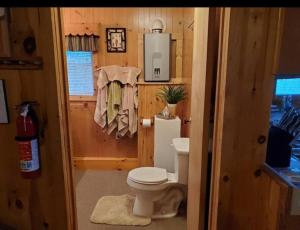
157	49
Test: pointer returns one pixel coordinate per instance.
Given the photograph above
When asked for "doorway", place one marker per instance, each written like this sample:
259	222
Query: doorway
99	158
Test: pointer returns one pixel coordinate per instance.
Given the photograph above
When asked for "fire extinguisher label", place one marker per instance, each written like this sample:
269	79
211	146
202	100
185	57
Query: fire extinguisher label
29	159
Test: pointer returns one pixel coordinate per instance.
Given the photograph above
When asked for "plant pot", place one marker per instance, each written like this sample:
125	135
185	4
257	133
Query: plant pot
172	109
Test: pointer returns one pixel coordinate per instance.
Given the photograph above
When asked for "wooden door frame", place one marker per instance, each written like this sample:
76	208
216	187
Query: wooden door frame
204	64
64	114
202	67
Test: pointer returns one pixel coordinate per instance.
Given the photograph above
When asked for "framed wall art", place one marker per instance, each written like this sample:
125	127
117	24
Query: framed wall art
116	40
3	104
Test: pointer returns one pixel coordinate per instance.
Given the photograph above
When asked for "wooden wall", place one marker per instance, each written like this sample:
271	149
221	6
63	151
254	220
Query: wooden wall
277	203
248	56
40	203
289	62
136	21
188	35
89	140
5	48
149	105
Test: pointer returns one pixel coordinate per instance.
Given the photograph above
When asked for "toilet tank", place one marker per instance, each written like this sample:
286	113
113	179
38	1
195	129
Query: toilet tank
164	132
181	164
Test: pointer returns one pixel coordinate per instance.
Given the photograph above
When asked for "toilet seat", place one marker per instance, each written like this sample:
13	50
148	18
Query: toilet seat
148	175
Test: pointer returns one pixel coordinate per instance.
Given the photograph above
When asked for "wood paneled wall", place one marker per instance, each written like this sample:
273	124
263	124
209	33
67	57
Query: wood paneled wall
89	140
277	203
149	105
136	21
289	62
248	56
39	203
5	48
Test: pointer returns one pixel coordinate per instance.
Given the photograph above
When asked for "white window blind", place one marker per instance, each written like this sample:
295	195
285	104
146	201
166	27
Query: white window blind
80	73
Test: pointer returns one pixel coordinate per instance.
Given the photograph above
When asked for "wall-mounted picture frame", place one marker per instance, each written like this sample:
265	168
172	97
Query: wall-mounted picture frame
116	40
3	104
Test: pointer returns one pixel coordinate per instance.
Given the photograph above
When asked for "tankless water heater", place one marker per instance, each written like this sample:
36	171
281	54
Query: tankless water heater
157	49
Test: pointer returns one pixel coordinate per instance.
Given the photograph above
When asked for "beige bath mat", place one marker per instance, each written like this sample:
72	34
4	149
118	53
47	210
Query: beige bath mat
116	210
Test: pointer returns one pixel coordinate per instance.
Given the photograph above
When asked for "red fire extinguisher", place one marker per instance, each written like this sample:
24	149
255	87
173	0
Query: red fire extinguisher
27	140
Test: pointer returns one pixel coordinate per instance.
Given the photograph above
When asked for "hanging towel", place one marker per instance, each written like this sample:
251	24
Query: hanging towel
125	75
128	113
100	115
123	116
113	104
116	105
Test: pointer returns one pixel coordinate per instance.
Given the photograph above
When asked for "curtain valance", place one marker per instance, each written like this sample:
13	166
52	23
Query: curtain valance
82	42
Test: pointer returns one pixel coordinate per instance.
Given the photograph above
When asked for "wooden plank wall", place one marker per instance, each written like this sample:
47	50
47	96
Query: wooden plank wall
136	21
289	62
149	105
248	49
5	48
277	203
40	203
89	140
188	35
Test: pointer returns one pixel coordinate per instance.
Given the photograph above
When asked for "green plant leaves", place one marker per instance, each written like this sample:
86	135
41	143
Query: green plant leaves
172	94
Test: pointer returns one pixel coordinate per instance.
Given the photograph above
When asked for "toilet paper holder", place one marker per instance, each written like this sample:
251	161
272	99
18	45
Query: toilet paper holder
141	120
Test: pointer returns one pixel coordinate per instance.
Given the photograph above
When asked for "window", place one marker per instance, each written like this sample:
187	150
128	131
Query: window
289	86
80	73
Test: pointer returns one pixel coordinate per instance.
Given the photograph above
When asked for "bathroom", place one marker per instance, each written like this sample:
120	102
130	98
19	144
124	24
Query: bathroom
224	59
103	159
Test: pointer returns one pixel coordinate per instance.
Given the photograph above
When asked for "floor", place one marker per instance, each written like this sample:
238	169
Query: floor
91	185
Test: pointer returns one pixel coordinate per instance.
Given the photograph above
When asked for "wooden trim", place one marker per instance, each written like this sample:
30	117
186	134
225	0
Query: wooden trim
62	92
179	51
172	82
280	27
5	37
82	98
200	112
106	163
22	63
81	29
140	47
216	162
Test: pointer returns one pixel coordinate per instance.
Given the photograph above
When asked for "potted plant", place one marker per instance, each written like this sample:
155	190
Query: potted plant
171	95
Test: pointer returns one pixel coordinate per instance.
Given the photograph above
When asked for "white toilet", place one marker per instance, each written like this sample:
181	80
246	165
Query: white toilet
159	191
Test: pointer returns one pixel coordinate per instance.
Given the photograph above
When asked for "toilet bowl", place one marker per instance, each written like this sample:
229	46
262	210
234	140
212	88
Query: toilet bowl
158	192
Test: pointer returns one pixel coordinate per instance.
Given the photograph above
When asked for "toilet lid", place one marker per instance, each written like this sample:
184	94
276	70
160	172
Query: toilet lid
148	175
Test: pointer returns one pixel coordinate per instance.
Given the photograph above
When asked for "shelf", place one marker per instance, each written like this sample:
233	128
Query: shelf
172	82
21	63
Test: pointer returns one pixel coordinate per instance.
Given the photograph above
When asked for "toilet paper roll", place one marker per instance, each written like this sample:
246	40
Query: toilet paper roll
146	123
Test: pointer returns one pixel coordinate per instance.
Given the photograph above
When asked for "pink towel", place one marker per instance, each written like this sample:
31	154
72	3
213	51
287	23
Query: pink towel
100	115
126	120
